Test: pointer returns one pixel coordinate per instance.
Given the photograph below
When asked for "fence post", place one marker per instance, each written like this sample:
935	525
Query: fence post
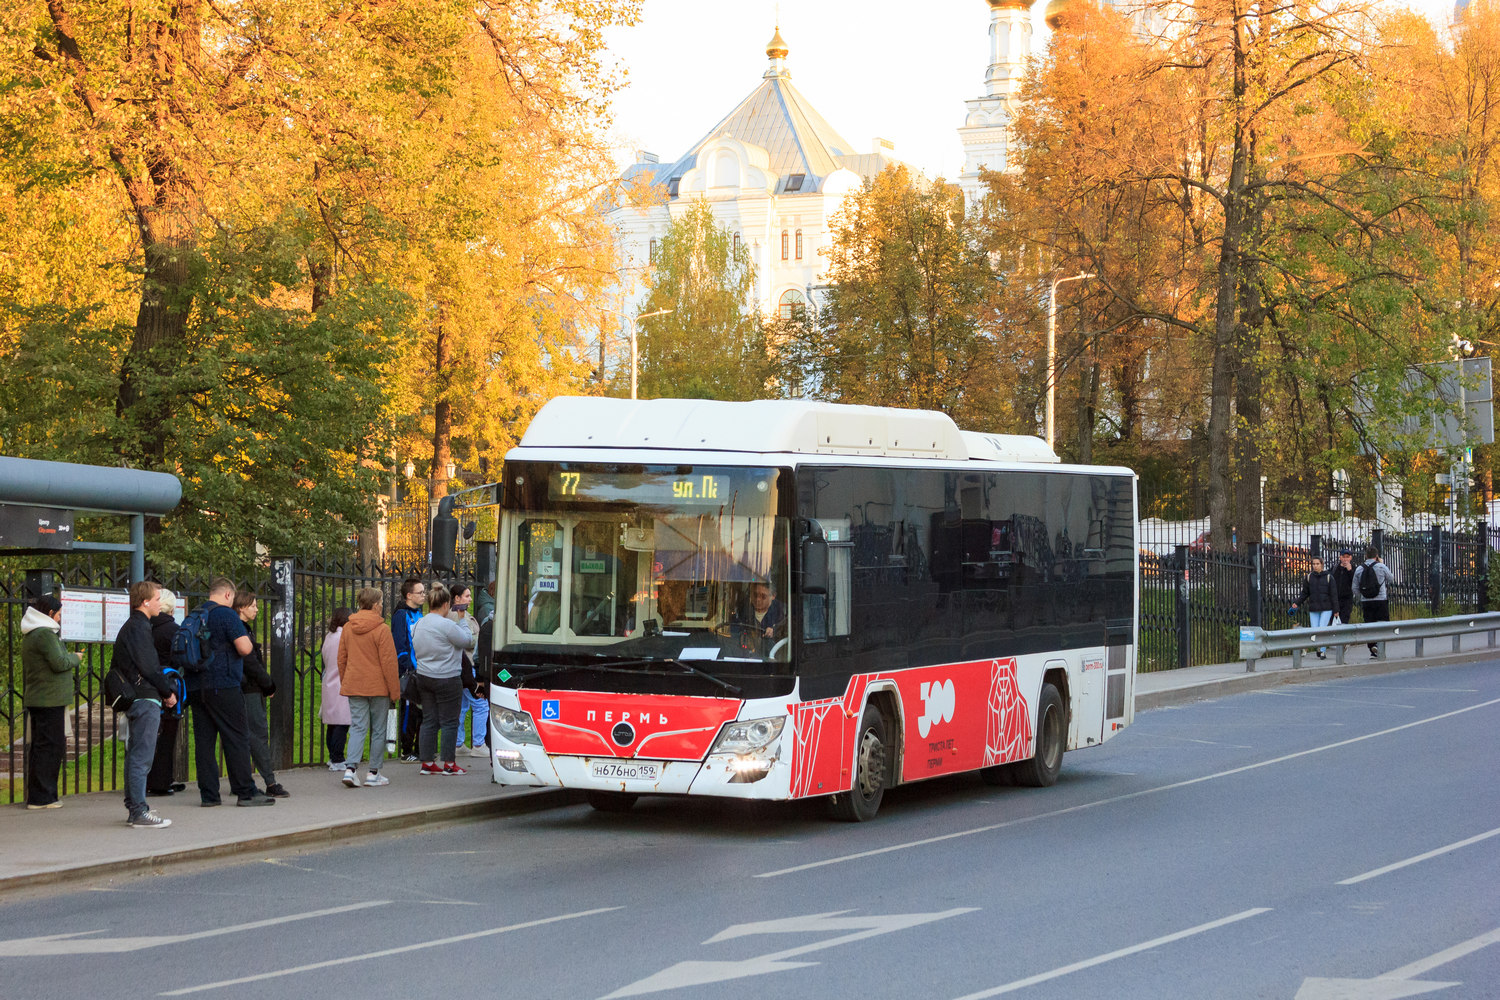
1257	604
1482	566
1315	547
283	664
1184	652
1377	539
1435	569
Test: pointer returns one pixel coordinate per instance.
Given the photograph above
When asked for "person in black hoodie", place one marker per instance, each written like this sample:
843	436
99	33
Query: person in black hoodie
1320	593
163	631
135	658
257	687
1343	575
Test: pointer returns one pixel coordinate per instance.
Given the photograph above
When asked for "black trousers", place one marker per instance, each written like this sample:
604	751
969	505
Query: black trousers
1376	611
48	745
219	717
335	737
441	699
160	778
409	726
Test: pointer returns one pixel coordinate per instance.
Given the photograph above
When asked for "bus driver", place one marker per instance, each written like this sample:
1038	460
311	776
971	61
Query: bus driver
759	626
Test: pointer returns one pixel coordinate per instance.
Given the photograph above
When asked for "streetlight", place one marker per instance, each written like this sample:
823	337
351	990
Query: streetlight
1052	349
634	351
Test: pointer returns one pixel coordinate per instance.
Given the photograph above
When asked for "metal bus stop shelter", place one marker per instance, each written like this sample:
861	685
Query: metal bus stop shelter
38	501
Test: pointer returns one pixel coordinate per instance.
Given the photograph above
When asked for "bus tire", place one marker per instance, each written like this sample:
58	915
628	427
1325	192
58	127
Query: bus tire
871	755
1051	739
611	802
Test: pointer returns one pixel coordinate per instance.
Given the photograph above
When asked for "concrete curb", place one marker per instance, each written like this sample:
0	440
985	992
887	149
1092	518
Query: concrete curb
405	819
1267	679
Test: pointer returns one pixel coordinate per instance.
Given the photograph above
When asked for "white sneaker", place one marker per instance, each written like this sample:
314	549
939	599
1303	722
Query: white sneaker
150	820
479	752
376	779
337	765
351	780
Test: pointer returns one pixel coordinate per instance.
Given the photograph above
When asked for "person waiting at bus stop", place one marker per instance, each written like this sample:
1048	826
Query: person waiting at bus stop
49	676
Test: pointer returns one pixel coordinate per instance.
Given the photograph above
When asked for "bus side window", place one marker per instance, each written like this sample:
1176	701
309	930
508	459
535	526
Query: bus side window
826	616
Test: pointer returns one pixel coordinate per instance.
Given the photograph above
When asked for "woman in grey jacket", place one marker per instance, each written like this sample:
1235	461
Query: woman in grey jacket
438	644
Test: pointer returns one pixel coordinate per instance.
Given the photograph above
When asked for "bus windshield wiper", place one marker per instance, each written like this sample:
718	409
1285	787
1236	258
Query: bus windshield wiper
682	665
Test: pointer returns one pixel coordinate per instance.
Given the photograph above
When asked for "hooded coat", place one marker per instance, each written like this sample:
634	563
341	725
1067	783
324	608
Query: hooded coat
367	658
46	668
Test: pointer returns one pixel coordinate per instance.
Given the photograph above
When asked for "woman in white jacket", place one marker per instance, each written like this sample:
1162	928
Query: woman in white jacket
335	707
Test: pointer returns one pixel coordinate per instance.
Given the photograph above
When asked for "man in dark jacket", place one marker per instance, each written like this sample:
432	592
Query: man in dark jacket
1343	575
403	620
218	704
135	659
257	687
163	631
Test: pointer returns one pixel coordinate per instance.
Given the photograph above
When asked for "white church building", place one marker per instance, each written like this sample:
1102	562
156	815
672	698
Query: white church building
775	172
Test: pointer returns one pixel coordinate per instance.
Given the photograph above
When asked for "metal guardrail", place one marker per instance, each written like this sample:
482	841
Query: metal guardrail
1256	643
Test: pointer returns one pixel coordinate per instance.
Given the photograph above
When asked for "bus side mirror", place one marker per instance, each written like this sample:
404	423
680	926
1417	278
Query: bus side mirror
444	537
814	561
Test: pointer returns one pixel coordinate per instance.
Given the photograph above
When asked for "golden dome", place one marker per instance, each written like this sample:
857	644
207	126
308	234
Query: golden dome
1056	9
1010	4
776	47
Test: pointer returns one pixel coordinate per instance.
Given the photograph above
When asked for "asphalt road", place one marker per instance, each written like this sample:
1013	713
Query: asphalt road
1337	840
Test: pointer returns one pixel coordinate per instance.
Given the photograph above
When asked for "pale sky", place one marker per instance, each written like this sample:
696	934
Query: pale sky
901	71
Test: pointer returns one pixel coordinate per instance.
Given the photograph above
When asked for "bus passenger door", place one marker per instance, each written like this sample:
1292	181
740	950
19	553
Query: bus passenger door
1087	726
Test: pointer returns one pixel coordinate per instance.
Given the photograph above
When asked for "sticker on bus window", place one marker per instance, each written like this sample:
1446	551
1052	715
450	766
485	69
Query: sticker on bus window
548	585
591	566
548	569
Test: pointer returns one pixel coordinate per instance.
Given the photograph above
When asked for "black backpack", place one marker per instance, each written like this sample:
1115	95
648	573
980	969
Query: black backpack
192	646
1369	582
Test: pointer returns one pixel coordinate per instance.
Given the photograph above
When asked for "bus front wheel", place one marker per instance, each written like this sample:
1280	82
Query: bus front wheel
862	801
1051	739
611	802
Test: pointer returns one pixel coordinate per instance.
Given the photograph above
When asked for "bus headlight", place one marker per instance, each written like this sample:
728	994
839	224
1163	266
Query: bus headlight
511	761
516	727
749	736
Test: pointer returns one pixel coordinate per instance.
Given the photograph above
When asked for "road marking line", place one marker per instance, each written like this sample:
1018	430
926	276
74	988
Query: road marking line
1319	697
347	959
1120	798
1123	952
1443	957
1421	857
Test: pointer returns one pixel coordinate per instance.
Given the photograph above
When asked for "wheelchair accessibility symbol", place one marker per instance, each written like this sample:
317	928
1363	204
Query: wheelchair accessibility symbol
551	709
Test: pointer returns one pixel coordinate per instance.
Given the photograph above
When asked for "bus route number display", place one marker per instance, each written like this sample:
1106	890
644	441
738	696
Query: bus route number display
638	487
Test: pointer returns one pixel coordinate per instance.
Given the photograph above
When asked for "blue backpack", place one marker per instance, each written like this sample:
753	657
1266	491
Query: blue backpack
192	646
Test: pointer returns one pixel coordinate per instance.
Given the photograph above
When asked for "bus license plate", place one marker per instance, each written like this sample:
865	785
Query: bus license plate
625	770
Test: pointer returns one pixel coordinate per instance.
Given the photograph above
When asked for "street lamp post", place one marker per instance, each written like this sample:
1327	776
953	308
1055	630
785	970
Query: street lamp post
635	324
1052	352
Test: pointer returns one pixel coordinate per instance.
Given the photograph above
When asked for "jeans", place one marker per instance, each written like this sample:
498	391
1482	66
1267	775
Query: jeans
48	746
260	736
367	716
441	697
478	710
1320	619
144	717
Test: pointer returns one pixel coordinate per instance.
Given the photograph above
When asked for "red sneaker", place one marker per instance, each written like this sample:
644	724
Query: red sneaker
451	768
430	769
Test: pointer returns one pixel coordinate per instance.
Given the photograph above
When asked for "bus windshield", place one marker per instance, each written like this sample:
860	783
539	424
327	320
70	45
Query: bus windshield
645	565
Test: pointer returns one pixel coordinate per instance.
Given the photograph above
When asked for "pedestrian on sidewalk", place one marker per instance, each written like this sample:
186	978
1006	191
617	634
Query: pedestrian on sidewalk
160	780
1372	589
474	707
49	679
257	686
1320	596
403	620
1343	575
438	645
218	704
335	707
368	677
135	659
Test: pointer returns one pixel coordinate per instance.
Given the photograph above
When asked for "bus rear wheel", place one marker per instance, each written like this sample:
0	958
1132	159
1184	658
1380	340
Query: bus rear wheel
862	801
611	802
1051	739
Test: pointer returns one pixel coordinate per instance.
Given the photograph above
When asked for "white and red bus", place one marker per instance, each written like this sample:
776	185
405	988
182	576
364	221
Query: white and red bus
786	599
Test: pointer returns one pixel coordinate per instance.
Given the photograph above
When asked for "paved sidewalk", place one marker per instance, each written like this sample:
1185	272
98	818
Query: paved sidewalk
88	839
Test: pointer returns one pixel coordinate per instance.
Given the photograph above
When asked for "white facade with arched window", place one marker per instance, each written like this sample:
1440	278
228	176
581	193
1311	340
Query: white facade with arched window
773	171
